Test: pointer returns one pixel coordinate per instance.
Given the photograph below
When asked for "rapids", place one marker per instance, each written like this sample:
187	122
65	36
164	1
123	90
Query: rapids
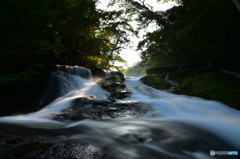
175	127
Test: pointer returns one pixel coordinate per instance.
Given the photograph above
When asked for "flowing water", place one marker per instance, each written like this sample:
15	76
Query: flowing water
175	127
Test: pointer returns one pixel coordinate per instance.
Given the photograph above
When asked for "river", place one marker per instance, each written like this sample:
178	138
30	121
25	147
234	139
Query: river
174	127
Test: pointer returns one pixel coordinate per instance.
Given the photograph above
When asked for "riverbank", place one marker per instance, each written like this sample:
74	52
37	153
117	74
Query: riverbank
205	82
20	90
32	89
149	123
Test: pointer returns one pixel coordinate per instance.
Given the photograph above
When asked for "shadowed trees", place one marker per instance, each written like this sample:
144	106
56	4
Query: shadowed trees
46	32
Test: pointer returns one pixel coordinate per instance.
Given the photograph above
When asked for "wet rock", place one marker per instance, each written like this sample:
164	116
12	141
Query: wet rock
100	73
115	86
89	108
152	140
75	70
157	81
118	73
59	81
23	148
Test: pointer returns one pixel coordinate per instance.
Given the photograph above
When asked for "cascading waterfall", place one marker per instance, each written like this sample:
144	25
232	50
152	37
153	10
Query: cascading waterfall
64	80
76	70
73	82
176	127
210	115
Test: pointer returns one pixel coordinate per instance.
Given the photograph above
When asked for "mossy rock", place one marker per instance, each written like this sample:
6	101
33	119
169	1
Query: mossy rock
156	80
181	74
212	85
115	86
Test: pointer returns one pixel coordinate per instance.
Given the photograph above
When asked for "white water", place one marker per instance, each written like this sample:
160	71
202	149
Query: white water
79	87
171	82
169	115
212	116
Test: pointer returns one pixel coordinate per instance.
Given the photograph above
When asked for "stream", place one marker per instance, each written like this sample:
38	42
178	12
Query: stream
149	124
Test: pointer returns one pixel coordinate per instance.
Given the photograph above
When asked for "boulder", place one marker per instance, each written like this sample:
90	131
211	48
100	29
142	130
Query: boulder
157	81
115	86
100	73
118	73
75	70
90	108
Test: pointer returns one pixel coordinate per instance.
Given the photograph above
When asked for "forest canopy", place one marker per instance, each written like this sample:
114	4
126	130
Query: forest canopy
74	32
193	31
47	32
37	35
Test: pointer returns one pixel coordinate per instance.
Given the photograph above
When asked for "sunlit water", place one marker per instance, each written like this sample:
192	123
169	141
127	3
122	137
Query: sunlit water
177	126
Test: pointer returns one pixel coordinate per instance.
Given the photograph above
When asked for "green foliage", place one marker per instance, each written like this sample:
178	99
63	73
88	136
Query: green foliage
212	85
49	32
195	31
156	81
137	70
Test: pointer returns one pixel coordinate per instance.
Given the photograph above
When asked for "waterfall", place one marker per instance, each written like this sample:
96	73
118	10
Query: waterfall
212	116
175	127
67	84
65	80
75	70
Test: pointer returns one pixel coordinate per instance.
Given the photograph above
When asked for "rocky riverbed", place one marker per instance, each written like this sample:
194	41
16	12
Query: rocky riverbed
201	80
116	118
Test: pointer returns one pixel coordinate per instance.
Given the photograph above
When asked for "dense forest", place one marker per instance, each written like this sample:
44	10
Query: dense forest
64	94
69	32
37	35
202	38
193	31
75	32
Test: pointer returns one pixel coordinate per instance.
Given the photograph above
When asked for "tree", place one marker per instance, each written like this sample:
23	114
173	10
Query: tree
194	31
49	32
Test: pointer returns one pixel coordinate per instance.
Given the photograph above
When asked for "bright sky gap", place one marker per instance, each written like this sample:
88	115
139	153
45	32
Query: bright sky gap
129	54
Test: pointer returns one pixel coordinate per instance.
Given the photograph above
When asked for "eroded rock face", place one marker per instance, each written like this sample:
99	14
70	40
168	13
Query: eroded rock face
115	86
91	108
75	70
157	81
112	82
118	73
22	148
100	73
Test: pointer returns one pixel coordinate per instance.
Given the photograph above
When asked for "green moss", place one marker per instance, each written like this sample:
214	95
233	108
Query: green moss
156	81
181	75
18	77
212	85
24	76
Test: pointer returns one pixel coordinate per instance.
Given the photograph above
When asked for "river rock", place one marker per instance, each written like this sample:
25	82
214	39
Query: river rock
90	108
75	70
29	148
118	73
115	86
157	81
100	73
